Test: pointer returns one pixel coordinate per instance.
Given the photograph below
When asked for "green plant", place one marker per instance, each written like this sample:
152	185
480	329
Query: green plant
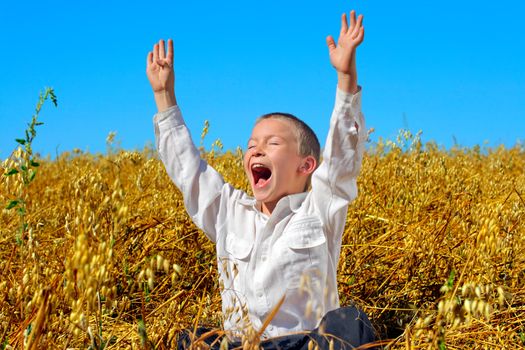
25	163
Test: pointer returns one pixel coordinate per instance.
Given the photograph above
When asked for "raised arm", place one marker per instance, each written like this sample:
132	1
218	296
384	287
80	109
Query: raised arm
342	55
159	69
334	183
199	183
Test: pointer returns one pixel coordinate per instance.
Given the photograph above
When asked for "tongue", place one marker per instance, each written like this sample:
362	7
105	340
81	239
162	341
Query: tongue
261	183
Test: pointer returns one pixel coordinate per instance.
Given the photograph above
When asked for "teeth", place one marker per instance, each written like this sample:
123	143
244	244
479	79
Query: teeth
257	166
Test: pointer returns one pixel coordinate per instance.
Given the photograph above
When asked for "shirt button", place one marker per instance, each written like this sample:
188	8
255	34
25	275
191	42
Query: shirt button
259	294
263	258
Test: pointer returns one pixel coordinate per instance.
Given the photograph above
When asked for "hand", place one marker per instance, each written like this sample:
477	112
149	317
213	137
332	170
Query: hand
342	56
159	68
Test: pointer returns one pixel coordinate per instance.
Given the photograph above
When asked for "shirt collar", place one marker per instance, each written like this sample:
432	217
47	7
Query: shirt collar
295	200
292	202
247	201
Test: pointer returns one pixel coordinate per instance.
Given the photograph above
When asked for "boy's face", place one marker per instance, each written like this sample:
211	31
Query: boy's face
272	162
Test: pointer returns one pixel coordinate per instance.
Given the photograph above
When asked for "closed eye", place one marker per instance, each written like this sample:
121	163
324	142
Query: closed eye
274	141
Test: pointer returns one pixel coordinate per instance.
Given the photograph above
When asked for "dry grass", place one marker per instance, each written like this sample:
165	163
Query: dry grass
433	251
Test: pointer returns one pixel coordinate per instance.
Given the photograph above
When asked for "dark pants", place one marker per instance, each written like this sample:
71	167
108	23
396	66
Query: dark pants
347	327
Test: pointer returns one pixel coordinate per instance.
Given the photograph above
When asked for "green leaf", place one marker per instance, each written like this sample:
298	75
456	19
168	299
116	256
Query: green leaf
142	330
29	329
12	204
351	280
32	176
39	123
35	164
53	97
11	172
450	281
23	167
21	141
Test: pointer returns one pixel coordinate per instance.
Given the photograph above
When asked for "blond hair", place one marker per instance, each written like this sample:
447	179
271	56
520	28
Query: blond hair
306	137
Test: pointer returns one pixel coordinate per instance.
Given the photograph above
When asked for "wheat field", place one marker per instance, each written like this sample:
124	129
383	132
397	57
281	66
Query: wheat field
97	251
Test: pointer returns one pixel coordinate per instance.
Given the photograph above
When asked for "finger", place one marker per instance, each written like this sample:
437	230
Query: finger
170	52
149	59
162	49
330	43
155	52
358	26
352	20
360	20
359	23
161	62
344	24
361	36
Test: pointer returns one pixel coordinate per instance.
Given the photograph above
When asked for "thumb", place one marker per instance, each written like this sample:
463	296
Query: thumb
330	43
164	63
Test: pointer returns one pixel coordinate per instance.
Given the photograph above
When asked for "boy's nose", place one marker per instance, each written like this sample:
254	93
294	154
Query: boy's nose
258	151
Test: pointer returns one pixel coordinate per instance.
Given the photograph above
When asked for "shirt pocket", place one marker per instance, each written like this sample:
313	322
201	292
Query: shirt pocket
239	248
234	265
307	253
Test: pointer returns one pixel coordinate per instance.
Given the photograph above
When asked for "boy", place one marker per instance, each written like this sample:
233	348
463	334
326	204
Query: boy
277	252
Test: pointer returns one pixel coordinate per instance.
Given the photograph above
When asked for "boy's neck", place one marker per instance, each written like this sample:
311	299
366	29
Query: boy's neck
267	208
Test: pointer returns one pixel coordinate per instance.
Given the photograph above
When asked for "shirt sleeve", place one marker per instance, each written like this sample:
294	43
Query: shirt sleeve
334	183
199	183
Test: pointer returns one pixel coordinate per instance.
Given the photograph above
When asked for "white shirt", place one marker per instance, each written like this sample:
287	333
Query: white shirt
294	252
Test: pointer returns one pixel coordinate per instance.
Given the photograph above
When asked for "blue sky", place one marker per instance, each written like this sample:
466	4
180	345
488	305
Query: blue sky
453	69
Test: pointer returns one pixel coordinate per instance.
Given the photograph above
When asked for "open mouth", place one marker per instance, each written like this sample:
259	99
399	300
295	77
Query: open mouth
261	175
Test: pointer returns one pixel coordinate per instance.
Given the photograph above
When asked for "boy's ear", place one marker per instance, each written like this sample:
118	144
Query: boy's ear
308	166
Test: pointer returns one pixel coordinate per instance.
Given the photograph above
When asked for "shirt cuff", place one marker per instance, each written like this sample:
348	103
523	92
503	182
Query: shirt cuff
171	117
347	101
348	98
